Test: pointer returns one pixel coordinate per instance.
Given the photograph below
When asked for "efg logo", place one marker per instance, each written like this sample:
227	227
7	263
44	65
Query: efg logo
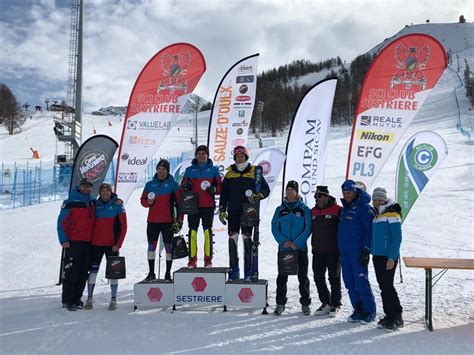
423	157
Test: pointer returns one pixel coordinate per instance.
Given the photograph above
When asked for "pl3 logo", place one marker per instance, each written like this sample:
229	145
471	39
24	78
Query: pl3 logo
423	157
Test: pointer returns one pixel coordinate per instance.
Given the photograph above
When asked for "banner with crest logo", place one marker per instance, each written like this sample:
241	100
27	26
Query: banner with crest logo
92	161
397	83
157	98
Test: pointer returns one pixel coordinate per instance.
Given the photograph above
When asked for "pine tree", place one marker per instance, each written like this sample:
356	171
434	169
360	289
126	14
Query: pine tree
10	111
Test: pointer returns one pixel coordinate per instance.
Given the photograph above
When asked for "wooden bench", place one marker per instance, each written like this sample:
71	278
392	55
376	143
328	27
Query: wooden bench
435	263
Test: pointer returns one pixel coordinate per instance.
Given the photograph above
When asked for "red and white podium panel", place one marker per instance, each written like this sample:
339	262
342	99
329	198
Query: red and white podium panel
156	293
202	287
240	293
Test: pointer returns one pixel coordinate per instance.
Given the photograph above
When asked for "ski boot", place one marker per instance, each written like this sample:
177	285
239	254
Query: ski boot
306	310
89	303
113	304
279	310
150	277
207	262
234	274
192	263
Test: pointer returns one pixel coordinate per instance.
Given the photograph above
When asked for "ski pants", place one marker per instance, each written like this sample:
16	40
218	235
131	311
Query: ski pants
234	229
153	231
305	299
390	300
356	279
76	269
206	214
97	252
331	263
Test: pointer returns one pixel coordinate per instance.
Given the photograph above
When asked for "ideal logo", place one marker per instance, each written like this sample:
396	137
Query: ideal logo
375	136
134	160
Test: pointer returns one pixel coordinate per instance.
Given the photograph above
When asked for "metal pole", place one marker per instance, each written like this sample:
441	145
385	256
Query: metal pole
78	108
196	129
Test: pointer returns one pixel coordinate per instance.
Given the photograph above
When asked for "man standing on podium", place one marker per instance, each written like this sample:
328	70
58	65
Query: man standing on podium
204	179
239	187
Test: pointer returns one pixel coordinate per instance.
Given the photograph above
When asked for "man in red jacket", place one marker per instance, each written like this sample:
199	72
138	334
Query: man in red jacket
160	196
325	221
110	228
75	226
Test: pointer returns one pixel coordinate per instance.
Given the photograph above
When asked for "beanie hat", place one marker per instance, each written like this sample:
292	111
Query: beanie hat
240	149
202	148
164	164
322	190
380	194
293	184
349	185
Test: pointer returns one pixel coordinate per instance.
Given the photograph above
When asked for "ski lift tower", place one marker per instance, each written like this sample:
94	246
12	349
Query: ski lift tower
69	128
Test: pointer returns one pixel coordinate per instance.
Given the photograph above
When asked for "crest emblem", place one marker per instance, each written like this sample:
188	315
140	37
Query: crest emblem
410	65
174	71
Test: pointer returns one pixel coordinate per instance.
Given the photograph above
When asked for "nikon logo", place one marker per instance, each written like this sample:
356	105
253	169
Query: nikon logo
375	136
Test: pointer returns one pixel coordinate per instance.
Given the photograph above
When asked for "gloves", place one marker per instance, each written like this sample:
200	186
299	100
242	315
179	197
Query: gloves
223	216
364	257
211	189
254	198
176	227
187	185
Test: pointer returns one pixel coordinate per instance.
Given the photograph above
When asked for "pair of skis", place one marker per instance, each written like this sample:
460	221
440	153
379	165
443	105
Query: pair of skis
256	232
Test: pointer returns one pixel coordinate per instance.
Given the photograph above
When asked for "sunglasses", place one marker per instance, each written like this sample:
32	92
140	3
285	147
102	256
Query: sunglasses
320	195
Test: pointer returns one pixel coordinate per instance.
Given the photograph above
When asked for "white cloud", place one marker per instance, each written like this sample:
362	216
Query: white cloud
120	36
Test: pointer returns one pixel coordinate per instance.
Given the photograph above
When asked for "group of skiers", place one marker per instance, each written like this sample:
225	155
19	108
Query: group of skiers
88	229
341	237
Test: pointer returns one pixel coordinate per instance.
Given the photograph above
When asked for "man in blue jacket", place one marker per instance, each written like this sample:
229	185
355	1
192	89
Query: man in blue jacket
354	240
291	228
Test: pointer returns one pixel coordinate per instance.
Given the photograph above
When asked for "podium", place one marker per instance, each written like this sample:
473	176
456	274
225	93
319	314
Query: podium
201	286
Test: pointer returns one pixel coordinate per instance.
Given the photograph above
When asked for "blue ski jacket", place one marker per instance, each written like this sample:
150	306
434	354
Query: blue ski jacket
387	231
292	222
355	226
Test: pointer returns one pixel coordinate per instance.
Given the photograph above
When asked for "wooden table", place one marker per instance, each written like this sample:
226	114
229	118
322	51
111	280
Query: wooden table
435	263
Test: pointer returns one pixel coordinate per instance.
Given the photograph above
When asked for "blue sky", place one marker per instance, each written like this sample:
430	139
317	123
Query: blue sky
120	37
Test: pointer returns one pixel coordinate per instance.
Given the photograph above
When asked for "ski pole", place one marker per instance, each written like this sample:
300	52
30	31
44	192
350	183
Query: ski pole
61	266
